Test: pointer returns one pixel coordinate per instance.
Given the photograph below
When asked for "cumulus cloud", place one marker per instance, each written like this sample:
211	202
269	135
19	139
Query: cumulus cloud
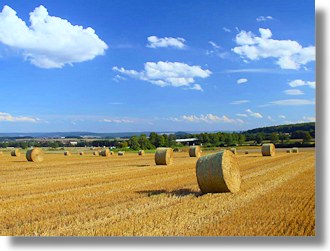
253	114
241	81
239	102
264	18
156	42
168	74
289	54
292	102
49	41
293	92
10	118
299	82
208	118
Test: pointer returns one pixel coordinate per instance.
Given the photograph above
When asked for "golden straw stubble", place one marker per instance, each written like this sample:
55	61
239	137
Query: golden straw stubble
164	156
67	153
96	153
35	155
218	173
15	153
268	150
195	151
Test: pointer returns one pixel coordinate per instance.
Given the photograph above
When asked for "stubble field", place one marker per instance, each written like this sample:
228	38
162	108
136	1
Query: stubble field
130	196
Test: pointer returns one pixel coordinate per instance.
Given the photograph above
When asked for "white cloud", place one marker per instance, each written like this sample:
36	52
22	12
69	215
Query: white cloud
309	119
116	120
299	82
253	114
118	78
156	42
282	116
49	42
241	115
216	50
208	118
168	74
270	118
242	81
264	18
293	102
238	102
226	29
10	118
293	92
289	54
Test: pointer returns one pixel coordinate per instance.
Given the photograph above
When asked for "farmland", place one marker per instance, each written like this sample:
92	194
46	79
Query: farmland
129	195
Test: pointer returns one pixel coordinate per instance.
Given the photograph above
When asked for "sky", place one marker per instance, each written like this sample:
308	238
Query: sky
119	66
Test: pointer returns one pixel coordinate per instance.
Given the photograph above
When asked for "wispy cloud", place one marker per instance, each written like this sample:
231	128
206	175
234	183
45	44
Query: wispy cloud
226	29
168	74
10	118
254	114
252	70
289	54
156	42
292	102
293	92
208	118
216	50
118	78
264	18
36	42
239	102
282	116
117	121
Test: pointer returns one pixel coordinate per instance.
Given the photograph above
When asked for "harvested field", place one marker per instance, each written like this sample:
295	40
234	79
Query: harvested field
88	196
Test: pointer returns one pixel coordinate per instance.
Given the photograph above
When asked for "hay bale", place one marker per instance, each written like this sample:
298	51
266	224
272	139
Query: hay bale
121	153
67	153
295	150
96	153
35	155
105	153
195	151
141	152
15	153
268	150
164	156
81	153
218	173
1	153
233	150
289	150
246	152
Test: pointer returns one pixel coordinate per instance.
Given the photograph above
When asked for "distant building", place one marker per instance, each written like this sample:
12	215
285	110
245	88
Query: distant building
189	141
73	143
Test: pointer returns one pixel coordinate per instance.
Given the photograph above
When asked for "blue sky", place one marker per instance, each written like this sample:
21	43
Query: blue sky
155	65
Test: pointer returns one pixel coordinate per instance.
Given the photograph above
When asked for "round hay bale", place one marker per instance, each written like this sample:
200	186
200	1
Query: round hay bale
195	151
0	152
233	150
67	153
295	150
81	153
164	156
268	150
289	150
121	153
105	153
35	155
246	152
141	152
218	173
96	153
15	153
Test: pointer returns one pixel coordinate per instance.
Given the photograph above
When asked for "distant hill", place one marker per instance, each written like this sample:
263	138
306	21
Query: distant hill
310	127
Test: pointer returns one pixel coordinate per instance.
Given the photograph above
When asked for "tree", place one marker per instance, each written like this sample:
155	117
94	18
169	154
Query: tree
274	137
241	139
307	137
153	138
229	139
259	138
123	144
144	142
283	137
160	141
134	143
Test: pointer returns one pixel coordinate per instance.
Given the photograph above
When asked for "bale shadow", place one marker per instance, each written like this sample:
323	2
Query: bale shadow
178	193
142	165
